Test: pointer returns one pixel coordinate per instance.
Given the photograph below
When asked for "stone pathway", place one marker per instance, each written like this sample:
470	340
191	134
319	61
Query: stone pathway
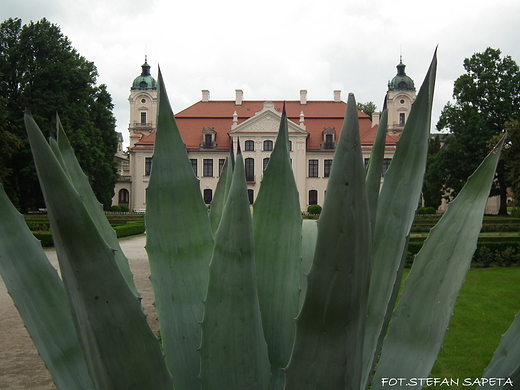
20	366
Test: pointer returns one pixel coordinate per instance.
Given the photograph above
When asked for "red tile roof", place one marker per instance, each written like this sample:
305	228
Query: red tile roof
218	114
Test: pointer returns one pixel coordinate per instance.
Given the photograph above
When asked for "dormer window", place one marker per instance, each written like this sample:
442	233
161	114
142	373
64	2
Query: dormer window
208	138
329	138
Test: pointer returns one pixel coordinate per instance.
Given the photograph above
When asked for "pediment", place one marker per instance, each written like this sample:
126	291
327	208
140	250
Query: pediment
266	120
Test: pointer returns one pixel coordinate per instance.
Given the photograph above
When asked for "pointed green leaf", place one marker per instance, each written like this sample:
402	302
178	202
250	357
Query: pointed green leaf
396	207
421	318
79	180
277	226
233	349
328	349
221	192
39	296
506	359
120	349
309	234
375	167
179	244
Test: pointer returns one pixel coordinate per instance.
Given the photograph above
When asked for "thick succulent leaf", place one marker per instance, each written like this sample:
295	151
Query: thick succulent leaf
38	294
506	359
233	349
120	349
309	234
179	244
396	207
375	167
277	227
70	164
328	346
421	318
221	192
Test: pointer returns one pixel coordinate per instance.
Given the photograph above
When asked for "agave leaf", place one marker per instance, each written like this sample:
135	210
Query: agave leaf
277	227
179	244
309	234
39	296
221	192
375	166
70	164
396	207
421	318
328	348
233	349
506	359
119	347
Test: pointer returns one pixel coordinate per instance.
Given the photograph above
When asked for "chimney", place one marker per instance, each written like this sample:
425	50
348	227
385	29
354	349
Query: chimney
303	96
239	96
337	96
205	96
375	118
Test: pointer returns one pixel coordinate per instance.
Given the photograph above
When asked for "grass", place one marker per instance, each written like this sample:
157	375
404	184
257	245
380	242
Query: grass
484	311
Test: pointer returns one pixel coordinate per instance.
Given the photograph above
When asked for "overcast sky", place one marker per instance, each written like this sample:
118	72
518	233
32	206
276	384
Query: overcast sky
273	49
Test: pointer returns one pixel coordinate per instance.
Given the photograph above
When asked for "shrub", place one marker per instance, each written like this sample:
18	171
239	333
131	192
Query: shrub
115	208
124	208
314	209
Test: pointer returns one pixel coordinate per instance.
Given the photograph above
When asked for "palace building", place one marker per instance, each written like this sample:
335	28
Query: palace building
209	127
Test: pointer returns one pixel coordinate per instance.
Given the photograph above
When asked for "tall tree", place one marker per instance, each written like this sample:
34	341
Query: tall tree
41	68
432	187
486	97
511	156
368	108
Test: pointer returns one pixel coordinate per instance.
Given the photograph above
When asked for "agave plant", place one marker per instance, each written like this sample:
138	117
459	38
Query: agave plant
261	301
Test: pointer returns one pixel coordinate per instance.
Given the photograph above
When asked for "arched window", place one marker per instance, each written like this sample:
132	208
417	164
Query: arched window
250	146
251	195
124	197
268	146
208	195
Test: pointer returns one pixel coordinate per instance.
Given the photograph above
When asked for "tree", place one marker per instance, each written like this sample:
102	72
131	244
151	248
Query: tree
486	97
368	108
432	186
39	67
511	157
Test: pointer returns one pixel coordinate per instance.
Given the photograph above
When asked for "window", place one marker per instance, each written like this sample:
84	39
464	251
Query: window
268	146
194	165
250	169
208	137
290	146
251	195
327	164
208	195
386	164
313	197
329	138
221	162
124	196
143	118
147	166
313	168
402	118
207	167
208	140
266	161
250	146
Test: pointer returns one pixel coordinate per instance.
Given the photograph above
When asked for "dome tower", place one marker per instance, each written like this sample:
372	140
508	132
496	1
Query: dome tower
399	98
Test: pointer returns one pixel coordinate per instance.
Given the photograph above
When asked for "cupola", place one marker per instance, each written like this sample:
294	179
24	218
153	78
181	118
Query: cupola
145	81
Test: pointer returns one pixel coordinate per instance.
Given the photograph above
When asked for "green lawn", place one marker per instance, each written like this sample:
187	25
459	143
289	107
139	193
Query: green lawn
487	304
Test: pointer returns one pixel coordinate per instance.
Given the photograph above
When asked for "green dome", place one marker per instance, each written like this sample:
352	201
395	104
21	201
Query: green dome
145	81
401	82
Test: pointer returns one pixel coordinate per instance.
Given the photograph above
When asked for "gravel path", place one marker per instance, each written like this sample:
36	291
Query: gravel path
20	366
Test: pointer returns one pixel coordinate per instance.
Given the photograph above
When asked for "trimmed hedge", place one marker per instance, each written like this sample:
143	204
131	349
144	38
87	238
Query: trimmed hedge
487	254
